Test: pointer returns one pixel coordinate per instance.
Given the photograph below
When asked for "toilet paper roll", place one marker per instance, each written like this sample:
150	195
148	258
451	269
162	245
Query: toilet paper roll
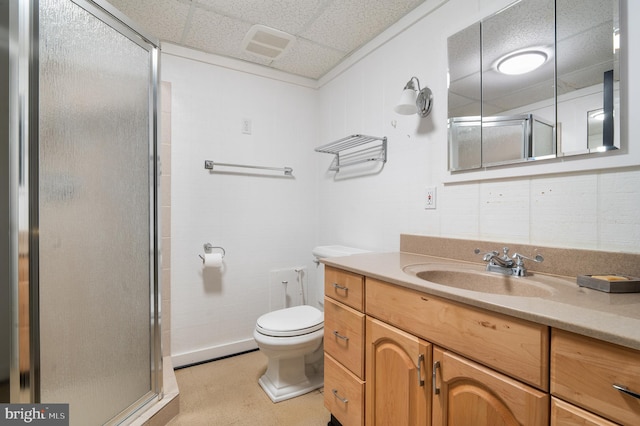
212	260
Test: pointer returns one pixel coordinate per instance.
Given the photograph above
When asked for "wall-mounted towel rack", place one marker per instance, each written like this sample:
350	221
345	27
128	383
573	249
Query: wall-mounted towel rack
355	149
209	165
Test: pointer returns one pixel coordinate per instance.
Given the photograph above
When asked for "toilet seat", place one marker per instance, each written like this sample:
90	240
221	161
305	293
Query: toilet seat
289	322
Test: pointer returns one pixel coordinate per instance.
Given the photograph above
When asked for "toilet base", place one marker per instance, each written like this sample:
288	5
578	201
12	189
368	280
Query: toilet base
286	379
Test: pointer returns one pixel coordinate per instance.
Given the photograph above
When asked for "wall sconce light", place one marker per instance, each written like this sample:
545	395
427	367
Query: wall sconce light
415	100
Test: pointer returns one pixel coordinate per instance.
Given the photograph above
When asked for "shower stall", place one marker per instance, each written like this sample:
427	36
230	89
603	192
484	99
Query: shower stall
79	258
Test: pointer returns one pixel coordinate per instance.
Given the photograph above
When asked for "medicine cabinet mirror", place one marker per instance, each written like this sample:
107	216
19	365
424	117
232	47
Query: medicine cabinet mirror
500	113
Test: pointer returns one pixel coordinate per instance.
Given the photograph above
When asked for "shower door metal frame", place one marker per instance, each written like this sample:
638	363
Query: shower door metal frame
23	178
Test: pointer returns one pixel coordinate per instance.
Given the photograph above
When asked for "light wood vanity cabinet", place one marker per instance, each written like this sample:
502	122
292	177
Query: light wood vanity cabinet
515	347
415	359
468	393
584	371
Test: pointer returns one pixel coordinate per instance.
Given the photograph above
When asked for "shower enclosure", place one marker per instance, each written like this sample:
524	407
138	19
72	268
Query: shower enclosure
80	320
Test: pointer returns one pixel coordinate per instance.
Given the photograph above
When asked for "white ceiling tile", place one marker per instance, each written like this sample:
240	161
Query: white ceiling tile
164	19
211	32
308	59
346	25
285	15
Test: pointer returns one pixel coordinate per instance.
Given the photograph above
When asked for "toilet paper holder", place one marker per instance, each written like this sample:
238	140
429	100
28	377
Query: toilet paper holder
208	248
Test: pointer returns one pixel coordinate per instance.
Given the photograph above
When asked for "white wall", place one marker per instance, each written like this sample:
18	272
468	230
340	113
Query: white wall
263	222
271	223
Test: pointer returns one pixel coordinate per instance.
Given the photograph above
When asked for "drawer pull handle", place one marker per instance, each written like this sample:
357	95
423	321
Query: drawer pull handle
626	390
436	390
420	362
335	393
339	336
339	287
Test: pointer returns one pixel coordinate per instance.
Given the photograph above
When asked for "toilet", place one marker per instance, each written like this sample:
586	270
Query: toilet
291	339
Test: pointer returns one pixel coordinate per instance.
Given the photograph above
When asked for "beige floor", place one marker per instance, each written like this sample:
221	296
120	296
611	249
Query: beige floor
226	392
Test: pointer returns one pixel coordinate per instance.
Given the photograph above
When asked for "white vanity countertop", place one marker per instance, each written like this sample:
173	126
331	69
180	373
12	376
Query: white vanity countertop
614	318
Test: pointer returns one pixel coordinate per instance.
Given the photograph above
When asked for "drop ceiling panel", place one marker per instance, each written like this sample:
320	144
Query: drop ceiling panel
326	31
346	25
286	15
165	19
308	59
212	32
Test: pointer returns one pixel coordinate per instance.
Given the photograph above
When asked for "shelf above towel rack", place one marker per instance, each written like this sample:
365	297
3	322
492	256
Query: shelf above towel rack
209	165
355	149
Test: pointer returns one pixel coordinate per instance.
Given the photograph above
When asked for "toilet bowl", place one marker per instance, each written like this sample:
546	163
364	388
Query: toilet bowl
291	339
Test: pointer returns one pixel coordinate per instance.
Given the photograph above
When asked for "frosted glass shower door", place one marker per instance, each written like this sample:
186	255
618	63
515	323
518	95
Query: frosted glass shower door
96	215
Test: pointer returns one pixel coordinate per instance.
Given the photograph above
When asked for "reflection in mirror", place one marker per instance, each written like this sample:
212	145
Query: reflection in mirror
595	125
588	74
499	114
518	73
464	99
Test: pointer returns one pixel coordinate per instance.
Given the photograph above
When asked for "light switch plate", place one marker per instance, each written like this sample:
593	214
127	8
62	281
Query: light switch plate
246	126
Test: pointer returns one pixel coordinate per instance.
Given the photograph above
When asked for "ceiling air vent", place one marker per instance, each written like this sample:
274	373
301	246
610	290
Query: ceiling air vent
267	42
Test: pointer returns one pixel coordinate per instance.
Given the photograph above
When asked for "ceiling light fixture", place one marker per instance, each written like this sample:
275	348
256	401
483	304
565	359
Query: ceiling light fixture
521	62
415	100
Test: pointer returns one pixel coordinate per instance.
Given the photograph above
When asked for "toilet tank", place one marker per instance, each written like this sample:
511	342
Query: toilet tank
320	252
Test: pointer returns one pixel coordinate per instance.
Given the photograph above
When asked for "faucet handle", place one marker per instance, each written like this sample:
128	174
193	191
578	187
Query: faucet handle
519	257
486	256
478	251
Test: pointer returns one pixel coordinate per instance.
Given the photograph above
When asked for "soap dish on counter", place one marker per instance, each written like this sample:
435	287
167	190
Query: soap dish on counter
610	283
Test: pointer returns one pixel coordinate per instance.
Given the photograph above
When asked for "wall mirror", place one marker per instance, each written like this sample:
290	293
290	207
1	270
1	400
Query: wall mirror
537	80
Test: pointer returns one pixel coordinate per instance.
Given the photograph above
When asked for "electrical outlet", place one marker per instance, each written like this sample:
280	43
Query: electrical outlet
430	197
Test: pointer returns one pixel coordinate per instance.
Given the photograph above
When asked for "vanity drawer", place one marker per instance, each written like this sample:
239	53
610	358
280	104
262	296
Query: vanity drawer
565	414
345	287
344	335
343	393
584	370
513	346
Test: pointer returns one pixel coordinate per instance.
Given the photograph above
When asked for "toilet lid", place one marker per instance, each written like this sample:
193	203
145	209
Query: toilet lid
291	321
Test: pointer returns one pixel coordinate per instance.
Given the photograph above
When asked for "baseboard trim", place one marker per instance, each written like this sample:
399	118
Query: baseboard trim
186	359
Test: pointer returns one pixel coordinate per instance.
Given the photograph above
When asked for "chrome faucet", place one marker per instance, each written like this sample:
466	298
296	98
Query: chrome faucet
505	265
519	270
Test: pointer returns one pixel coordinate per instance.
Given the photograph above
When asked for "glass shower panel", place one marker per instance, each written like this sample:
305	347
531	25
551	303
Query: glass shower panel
5	258
95	259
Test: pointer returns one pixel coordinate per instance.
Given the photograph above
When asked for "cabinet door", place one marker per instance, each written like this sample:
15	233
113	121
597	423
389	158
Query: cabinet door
398	375
467	393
